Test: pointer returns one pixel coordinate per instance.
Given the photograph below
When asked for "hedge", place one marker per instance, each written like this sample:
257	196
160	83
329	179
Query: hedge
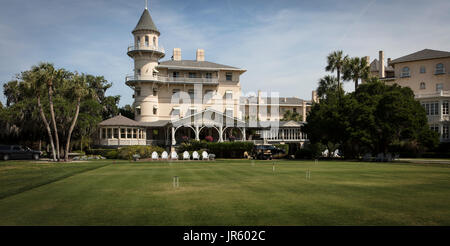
127	152
221	150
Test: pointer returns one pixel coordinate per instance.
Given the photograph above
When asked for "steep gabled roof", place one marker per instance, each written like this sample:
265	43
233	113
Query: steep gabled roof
375	66
145	23
196	65
119	120
422	55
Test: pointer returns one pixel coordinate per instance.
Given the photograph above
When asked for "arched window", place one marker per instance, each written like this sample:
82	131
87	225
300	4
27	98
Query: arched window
440	68
422	85
405	72
146	41
138	41
154	41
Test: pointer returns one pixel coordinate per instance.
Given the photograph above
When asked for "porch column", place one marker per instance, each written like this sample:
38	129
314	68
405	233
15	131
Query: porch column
197	133
173	136
303	110
119	137
220	133
243	134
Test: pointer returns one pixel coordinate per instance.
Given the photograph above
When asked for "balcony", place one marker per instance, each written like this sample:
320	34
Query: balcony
142	47
172	80
434	94
188	80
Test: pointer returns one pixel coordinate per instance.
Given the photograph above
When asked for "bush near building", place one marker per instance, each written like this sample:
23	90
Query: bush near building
221	150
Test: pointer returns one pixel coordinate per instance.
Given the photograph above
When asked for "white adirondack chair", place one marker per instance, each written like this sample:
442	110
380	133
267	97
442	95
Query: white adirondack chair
164	155
195	155
155	155
174	155
205	155
186	155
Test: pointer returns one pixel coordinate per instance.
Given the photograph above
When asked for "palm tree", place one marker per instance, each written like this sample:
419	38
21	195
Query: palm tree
326	84
79	89
336	62
34	81
355	69
11	91
50	74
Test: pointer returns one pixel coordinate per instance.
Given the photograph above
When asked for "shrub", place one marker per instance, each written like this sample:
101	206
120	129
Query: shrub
310	151
102	152
303	153
112	154
221	150
143	151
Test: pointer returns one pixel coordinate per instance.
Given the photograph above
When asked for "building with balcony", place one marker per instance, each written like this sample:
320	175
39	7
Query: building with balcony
427	73
177	99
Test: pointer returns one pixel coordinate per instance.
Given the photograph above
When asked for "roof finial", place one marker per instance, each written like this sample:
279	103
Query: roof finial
146	4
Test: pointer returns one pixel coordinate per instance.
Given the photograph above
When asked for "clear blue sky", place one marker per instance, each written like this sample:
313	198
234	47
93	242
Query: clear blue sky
282	44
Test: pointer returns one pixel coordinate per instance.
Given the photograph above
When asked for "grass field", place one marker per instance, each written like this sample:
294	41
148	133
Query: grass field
224	192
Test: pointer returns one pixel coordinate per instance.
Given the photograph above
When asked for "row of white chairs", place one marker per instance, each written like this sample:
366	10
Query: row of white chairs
174	155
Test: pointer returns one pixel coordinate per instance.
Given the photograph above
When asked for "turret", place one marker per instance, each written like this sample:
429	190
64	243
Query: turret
146	53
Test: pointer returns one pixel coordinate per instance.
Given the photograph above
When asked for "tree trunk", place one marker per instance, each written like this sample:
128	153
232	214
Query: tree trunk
356	84
47	126
66	154
52	113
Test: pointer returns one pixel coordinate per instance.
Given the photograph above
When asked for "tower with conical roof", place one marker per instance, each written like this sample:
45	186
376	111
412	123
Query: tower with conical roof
146	53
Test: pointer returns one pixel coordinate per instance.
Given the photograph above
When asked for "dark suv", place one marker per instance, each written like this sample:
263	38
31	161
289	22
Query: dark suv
8	152
265	152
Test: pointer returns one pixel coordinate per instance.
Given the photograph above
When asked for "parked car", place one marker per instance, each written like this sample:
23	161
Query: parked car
265	152
17	152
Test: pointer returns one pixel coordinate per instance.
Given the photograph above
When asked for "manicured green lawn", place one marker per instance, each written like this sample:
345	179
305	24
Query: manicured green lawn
224	192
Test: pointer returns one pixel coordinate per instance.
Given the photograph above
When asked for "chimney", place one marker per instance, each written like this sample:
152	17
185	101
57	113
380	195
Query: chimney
314	97
389	62
303	110
176	54
259	97
200	55
381	69
367	58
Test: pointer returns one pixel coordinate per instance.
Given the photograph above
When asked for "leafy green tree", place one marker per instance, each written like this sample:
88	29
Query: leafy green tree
127	111
371	119
288	115
76	104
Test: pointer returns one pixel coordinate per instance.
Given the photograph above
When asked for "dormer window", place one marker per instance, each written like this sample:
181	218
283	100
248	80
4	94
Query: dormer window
405	72
228	76
422	85
440	68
